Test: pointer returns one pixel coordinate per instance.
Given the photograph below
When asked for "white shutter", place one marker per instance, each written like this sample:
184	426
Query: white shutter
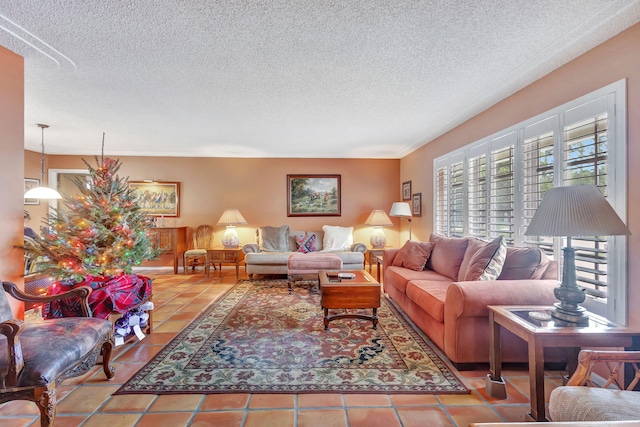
442	200
477	196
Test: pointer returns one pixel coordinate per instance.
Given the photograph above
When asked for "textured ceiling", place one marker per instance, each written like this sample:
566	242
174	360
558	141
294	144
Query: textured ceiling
283	78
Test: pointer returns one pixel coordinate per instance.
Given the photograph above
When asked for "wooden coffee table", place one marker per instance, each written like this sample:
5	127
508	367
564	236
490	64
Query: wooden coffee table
361	292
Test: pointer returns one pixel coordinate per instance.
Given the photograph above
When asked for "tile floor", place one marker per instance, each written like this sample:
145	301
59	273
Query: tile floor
87	401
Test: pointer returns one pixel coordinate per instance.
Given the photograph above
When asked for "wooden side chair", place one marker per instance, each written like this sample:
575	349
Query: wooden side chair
605	398
202	240
36	356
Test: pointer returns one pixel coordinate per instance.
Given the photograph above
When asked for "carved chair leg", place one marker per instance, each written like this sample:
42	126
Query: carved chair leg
45	398
107	349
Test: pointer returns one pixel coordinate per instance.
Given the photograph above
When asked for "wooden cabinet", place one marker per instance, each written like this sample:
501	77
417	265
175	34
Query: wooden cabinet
224	256
171	240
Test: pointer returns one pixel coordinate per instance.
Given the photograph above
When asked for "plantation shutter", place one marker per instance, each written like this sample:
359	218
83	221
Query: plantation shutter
537	176
501	190
585	159
442	200
477	192
456	199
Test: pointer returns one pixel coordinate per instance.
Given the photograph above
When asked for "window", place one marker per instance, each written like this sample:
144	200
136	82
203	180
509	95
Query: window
493	187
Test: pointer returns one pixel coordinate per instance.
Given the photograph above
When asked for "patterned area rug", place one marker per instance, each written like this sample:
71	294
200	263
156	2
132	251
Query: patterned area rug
258	338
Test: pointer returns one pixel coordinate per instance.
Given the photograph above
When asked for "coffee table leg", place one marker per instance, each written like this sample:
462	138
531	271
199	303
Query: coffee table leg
326	319
494	384
374	318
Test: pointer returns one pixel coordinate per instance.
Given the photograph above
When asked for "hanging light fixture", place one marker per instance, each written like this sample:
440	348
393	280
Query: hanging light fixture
42	192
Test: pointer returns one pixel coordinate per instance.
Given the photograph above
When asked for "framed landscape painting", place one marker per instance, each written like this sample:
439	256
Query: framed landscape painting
313	195
158	198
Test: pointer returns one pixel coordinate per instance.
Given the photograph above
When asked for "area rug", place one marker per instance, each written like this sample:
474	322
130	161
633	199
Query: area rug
258	338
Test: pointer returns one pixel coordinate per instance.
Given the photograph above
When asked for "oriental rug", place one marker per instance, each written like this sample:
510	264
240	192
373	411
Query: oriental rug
258	338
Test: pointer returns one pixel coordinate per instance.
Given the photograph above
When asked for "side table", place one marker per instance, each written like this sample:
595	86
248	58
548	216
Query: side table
541	334
371	255
224	256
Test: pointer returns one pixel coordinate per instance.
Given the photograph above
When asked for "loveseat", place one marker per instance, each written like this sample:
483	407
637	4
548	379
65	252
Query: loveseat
445	285
274	245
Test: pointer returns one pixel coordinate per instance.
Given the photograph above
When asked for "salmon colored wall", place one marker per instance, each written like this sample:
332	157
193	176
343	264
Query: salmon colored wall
614	60
11	168
258	188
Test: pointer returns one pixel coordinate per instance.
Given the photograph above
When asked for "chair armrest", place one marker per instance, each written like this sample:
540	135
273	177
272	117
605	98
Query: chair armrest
81	292
11	329
248	248
359	247
612	360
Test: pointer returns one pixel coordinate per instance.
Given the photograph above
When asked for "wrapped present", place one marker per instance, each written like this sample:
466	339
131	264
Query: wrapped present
119	293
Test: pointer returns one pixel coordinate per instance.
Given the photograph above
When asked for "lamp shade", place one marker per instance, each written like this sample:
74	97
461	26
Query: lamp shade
378	217
42	193
400	209
231	217
579	210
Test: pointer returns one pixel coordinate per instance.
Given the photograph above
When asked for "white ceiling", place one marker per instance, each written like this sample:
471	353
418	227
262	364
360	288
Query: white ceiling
283	78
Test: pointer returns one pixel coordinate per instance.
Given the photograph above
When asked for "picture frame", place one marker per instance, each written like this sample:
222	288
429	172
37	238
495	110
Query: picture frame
30	183
158	198
406	190
416	204
313	195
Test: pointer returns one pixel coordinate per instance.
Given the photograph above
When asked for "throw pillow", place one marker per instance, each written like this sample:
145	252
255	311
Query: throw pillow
413	255
273	239
483	260
306	243
447	255
337	238
527	263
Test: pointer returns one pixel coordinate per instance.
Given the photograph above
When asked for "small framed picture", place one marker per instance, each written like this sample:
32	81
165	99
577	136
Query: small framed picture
406	190
416	202
30	183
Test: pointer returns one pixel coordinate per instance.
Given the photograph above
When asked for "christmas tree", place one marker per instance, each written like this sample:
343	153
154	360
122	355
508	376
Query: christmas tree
100	232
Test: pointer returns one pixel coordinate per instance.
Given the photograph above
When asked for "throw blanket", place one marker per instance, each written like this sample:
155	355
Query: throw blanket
120	293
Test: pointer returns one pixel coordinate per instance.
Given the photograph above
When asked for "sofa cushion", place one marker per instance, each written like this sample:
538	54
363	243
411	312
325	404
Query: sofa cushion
337	238
525	263
267	258
399	277
273	239
306	243
447	255
429	296
413	255
482	260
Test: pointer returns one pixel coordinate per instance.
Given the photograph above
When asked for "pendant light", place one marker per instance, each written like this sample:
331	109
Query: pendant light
42	192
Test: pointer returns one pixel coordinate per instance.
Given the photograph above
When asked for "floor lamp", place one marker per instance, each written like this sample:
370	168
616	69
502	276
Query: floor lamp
573	211
402	210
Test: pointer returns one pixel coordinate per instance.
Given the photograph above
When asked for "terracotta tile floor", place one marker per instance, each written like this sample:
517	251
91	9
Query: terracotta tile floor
88	401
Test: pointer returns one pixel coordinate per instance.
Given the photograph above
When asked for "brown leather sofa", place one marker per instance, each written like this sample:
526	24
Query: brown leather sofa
453	313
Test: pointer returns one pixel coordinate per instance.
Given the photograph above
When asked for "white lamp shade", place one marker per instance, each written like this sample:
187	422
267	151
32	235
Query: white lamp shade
401	209
378	217
42	193
231	217
579	210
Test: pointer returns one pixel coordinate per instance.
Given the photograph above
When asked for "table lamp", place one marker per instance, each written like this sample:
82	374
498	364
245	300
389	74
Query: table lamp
378	219
230	218
402	210
573	211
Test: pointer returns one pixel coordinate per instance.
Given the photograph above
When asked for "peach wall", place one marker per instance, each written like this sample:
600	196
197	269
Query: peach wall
615	59
11	168
258	188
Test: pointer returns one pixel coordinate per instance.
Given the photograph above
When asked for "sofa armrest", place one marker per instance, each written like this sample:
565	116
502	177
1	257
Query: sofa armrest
359	247
387	257
250	248
471	299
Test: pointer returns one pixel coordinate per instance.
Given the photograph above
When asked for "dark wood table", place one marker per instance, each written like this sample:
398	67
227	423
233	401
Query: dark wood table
541	334
361	292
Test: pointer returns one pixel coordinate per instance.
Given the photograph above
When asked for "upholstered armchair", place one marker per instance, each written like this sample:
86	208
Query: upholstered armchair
605	400
36	356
